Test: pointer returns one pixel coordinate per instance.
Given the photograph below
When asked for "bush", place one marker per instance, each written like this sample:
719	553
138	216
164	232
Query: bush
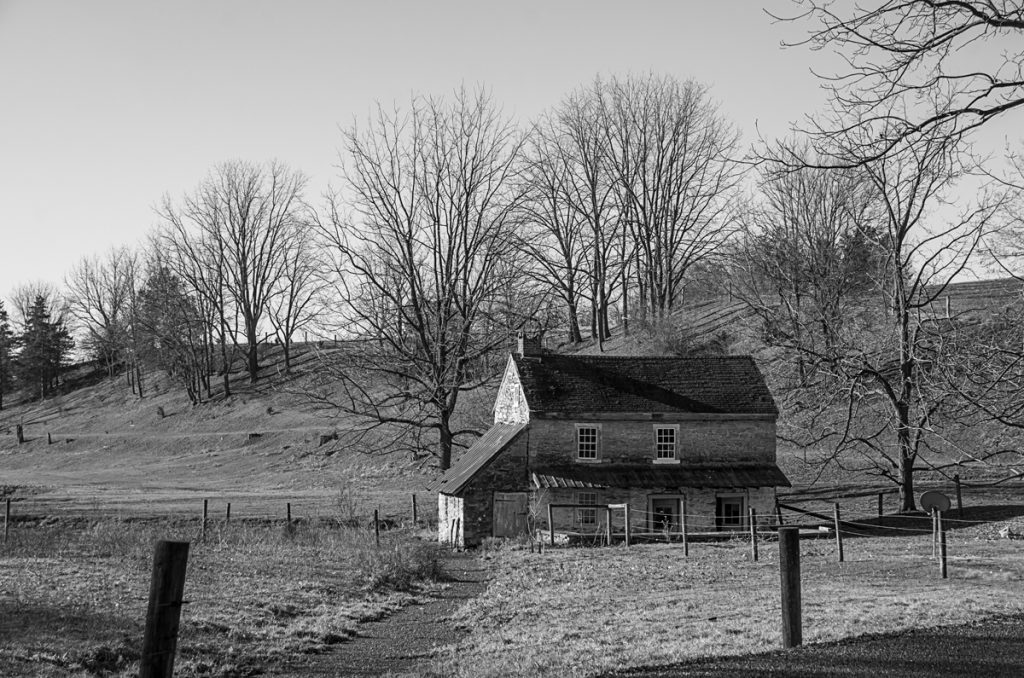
399	565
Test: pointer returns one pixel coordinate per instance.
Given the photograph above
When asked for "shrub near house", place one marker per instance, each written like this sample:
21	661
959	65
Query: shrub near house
667	436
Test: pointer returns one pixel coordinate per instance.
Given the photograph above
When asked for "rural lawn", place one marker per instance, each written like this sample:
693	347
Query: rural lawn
576	612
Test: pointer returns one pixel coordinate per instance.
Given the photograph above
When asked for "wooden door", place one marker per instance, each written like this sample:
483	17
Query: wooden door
510	514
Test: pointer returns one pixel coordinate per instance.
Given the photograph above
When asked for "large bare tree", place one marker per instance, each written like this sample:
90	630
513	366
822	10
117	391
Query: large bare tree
675	158
885	355
243	215
421	260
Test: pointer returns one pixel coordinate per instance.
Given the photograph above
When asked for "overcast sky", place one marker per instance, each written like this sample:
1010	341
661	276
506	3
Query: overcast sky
109	104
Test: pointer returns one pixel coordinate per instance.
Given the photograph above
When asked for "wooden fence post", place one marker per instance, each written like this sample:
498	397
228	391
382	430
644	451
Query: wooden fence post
959	497
227	516
753	533
376	526
608	526
682	524
288	512
935	532
881	498
839	533
415	517
551	524
627	524
19	433
165	591
49	438
7	518
206	507
778	514
789	571
942	547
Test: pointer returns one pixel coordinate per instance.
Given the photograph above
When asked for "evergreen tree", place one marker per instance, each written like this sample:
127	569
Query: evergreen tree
6	351
45	345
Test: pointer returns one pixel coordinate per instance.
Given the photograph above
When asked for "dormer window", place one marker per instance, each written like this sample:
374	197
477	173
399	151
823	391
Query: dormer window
588	438
665	439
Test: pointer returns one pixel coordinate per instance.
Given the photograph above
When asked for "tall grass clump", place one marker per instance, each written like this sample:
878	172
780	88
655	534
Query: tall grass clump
398	564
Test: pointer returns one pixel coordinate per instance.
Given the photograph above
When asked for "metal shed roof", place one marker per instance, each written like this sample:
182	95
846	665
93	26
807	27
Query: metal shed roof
476	457
653	476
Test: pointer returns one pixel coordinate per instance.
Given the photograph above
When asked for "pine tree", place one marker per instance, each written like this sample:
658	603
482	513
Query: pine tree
45	345
6	351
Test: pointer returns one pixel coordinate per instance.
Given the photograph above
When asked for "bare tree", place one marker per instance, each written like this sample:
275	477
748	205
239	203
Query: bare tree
905	55
881	375
242	215
421	259
809	251
675	159
297	299
99	293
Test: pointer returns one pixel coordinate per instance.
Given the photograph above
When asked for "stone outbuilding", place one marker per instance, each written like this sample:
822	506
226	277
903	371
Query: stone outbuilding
677	439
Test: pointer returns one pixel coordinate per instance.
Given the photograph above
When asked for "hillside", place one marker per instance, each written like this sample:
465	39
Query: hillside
112	451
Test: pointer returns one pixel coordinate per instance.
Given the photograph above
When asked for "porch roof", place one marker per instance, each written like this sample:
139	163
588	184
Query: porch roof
654	476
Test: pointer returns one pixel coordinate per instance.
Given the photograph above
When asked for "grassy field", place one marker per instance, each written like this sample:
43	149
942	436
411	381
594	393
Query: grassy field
73	595
576	612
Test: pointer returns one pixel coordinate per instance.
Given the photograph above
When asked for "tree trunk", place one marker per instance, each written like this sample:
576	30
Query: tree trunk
906	482
445	442
286	345
252	358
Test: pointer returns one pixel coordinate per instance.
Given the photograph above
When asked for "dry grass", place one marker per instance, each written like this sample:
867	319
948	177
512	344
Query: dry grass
582	611
73	597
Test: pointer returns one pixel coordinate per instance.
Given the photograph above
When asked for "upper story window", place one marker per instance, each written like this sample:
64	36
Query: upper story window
587	440
665	442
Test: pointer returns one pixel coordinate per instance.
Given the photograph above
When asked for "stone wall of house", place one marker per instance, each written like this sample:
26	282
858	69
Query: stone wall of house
700	507
449	520
474	510
510	404
699	439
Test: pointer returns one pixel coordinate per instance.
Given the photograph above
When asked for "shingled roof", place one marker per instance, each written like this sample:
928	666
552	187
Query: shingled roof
578	384
650	476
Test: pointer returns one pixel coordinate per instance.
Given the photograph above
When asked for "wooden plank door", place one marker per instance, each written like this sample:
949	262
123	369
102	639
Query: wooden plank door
510	514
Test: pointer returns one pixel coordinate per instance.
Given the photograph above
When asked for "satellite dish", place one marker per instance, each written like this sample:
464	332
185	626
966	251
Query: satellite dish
933	499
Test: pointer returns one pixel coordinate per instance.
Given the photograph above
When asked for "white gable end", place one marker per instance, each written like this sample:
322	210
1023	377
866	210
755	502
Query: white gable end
510	406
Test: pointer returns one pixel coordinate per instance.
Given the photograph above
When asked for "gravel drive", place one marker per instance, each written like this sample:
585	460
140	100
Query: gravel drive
400	644
992	648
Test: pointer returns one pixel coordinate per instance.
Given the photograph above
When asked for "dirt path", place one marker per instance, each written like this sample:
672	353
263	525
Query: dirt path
401	643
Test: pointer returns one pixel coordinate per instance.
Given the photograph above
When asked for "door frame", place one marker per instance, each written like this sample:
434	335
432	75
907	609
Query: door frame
680	500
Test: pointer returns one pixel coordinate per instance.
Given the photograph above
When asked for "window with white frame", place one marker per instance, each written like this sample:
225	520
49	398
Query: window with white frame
586	516
586	441
665	442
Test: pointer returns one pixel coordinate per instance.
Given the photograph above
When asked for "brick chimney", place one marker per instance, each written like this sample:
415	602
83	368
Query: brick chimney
528	346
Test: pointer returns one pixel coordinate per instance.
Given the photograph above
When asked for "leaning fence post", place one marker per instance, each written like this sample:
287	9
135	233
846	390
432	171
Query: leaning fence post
164	613
753	533
942	547
376	526
778	514
839	533
415	518
789	571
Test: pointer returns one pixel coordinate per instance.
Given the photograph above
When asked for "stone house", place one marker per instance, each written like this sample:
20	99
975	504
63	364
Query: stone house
670	437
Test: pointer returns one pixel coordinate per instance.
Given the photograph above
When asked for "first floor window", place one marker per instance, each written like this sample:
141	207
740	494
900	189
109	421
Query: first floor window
729	511
586	442
586	516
